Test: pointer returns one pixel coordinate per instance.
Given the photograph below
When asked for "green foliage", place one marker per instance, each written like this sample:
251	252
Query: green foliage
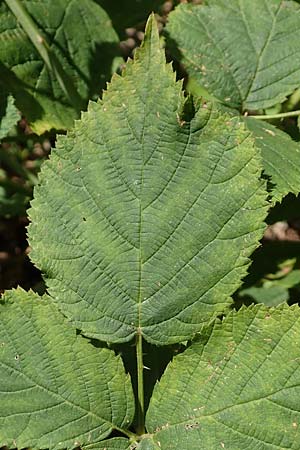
16	181
281	157
71	391
111	444
79	40
268	293
13	202
153	172
9	114
274	275
143	224
236	387
13	198
255	45
244	52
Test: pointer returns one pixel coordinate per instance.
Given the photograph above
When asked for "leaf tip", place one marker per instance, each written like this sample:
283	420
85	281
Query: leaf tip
151	32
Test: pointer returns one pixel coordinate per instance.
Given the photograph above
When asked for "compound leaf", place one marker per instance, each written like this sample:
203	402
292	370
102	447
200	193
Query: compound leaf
243	52
80	36
57	390
280	155
138	203
236	387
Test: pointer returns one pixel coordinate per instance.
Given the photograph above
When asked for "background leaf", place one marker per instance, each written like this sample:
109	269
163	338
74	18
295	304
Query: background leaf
139	202
235	388
274	276
243	52
270	295
270	258
9	115
80	35
281	157
57	390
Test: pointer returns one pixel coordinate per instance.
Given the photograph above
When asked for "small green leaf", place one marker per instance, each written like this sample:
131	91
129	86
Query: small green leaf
236	387
291	280
243	52
9	115
138	203
81	37
280	155
270	295
57	390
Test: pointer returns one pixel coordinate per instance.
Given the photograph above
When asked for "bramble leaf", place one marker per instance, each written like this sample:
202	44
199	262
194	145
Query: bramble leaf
81	37
138	203
236	387
243	52
57	390
280	156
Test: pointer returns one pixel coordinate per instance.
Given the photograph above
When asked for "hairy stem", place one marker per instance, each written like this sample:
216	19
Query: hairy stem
140	376
46	53
277	116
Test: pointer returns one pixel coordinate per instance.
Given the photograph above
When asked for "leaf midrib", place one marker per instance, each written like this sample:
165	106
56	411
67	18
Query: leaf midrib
141	208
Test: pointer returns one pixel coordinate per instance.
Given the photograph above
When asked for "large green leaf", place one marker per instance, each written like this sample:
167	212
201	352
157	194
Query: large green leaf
243	52
140	201
281	157
80	36
237	387
57	390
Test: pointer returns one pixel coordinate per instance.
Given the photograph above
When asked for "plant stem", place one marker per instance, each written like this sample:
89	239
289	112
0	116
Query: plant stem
277	116
140	376
127	433
48	56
